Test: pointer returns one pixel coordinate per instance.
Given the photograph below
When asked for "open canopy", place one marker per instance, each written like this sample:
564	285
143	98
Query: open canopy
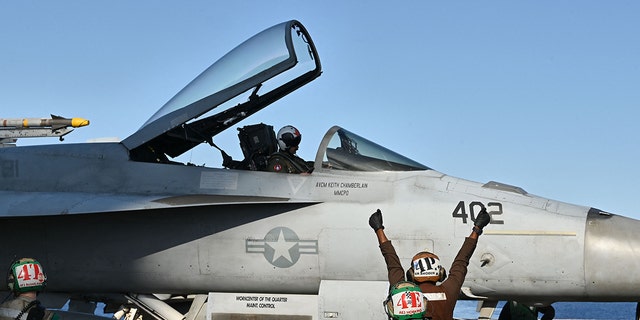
255	74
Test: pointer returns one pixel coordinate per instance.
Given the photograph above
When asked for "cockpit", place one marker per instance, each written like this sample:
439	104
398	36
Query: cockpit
258	72
340	149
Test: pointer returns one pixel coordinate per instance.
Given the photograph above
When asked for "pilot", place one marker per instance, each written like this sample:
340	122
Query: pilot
426	270
285	159
25	279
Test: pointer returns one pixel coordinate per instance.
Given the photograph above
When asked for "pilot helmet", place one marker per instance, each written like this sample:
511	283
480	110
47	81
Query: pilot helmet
288	137
26	275
405	301
426	267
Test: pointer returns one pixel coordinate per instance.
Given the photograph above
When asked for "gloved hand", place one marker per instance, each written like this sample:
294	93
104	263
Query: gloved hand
483	219
375	221
227	161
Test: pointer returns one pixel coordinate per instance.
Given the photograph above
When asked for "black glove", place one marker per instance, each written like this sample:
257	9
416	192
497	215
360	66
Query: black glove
227	161
375	221
483	219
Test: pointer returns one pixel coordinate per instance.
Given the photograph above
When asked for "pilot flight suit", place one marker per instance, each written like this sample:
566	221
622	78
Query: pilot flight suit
11	309
441	298
288	163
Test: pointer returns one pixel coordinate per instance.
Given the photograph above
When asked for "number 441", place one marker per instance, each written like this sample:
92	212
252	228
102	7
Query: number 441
493	209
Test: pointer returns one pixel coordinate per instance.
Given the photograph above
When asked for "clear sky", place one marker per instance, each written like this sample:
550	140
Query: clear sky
544	95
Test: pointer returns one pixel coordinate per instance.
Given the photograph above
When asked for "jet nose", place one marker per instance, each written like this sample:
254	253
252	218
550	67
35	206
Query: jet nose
612	256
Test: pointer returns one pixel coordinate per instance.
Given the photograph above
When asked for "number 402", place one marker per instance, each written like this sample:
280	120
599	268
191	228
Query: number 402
493	209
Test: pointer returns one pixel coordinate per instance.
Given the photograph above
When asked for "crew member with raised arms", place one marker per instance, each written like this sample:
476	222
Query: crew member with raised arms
441	291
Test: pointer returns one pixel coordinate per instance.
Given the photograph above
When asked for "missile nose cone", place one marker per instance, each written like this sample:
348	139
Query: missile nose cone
79	122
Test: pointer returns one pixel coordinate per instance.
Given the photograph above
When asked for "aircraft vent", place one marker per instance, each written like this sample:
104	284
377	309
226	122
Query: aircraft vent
504	187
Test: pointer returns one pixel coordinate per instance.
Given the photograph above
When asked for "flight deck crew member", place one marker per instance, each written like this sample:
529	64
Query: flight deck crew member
25	279
286	160
426	270
405	301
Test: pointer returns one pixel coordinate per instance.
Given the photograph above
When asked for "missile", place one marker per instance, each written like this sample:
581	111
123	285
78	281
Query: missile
55	123
57	126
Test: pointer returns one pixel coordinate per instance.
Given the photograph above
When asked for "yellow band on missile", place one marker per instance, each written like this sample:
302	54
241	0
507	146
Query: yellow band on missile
79	122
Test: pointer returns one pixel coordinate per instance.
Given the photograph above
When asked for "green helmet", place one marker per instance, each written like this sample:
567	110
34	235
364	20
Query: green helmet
405	301
25	275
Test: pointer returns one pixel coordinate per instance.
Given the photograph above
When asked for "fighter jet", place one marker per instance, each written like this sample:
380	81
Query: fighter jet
126	224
